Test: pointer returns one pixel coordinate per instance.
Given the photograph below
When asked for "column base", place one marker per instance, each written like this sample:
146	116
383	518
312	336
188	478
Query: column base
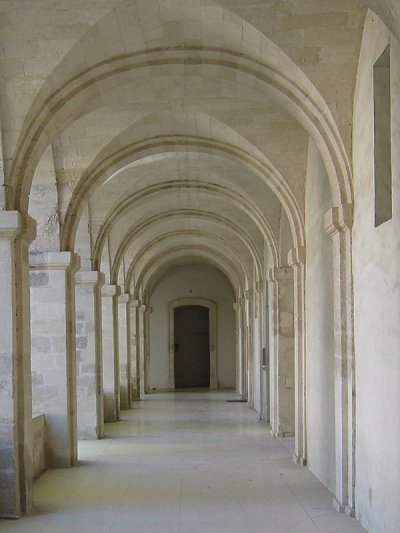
299	460
88	433
341	508
350	511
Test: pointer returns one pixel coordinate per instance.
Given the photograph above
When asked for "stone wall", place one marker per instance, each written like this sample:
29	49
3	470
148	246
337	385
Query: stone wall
200	282
319	325
376	302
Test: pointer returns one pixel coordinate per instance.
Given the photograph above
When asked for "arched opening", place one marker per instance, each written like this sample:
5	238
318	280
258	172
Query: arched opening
176	336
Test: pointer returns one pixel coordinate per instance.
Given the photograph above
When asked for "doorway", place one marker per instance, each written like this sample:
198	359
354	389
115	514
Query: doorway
191	346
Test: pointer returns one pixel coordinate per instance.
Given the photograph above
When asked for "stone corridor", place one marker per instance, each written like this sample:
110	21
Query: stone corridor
235	160
184	463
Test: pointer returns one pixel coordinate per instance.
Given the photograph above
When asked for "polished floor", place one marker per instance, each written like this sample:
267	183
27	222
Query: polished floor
184	463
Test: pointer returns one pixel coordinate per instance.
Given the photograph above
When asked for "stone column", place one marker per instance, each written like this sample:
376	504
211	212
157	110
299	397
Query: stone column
261	343
282	351
256	341
249	317
266	356
16	233
110	347
89	354
54	352
297	260
338	224
147	312
239	354
135	388
245	347
124	350
141	348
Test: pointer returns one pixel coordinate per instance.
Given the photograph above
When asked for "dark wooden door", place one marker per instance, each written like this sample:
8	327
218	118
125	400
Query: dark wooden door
191	346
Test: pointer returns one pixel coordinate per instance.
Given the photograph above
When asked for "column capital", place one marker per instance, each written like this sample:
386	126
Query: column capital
10	224
124	298
259	285
14	223
134	303
108	291
297	256
338	219
90	277
54	261
279	274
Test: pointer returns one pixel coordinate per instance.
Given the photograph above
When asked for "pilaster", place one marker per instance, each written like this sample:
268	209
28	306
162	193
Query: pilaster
297	260
89	354
338	223
54	352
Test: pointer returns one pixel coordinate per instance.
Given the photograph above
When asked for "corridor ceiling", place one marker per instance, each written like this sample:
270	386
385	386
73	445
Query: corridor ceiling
158	132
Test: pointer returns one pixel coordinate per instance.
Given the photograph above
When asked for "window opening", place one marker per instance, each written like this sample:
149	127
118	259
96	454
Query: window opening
382	139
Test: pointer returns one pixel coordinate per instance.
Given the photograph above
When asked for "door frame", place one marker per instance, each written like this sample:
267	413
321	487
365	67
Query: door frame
212	318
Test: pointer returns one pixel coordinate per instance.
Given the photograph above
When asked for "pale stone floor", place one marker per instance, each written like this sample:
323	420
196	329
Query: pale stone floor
184	463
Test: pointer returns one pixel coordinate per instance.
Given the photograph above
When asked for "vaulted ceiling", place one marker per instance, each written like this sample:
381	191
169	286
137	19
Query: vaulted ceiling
146	133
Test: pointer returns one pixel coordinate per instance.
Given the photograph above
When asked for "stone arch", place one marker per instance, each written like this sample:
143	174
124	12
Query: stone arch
239	200
171	144
299	96
213	244
129	238
141	287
